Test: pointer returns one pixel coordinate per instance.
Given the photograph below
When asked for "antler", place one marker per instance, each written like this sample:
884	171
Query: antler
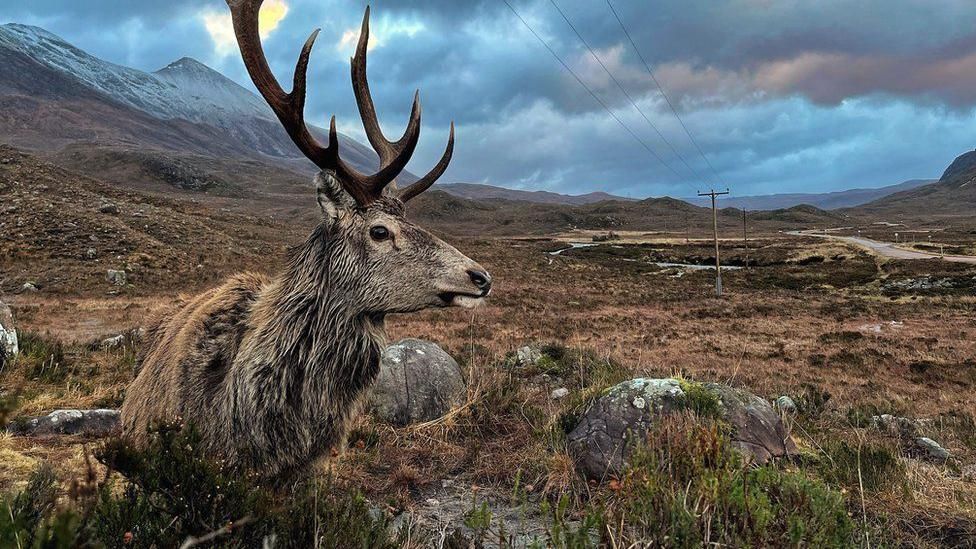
289	108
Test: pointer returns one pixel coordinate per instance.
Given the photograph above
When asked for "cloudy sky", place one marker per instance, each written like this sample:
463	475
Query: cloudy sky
780	95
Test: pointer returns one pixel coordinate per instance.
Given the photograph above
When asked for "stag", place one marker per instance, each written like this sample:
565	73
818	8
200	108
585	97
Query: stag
271	370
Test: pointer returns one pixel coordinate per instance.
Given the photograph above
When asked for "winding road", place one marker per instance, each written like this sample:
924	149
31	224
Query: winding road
887	249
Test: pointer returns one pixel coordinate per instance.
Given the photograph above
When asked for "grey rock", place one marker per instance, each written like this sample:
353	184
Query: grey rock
786	404
527	356
109	208
559	393
8	335
968	473
99	422
418	381
116	277
28	287
113	342
894	425
931	449
615	423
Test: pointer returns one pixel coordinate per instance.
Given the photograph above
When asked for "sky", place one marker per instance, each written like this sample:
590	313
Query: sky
779	95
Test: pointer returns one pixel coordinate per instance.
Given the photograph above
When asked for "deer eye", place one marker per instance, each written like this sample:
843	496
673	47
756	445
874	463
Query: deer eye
379	232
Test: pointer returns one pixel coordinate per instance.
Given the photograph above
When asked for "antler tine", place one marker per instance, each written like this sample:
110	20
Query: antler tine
426	181
288	107
390	152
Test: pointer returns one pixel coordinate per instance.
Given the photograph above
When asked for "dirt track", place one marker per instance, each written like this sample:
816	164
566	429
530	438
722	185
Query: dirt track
887	249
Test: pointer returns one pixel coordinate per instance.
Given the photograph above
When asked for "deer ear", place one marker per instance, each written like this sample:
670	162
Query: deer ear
332	198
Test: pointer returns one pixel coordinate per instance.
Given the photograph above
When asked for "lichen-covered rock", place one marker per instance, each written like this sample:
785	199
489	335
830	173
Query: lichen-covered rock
96	423
931	449
615	423
786	405
116	277
8	335
418	381
528	356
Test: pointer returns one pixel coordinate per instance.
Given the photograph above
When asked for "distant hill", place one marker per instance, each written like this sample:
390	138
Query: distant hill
953	195
825	201
477	191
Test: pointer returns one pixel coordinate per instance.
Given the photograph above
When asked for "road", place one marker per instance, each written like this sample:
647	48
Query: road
887	249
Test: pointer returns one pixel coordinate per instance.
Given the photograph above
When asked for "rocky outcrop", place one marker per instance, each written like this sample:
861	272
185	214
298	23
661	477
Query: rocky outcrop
617	422
418	381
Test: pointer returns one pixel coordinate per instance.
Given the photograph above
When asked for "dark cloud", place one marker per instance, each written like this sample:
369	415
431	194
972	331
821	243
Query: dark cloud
781	94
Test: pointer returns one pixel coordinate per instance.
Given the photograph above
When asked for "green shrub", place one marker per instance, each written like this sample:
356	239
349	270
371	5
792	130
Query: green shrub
689	488
171	492
872	466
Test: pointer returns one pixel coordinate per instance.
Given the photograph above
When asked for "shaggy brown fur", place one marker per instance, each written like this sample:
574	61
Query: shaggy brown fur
270	370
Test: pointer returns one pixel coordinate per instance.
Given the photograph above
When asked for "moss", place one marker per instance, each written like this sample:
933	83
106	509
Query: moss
700	399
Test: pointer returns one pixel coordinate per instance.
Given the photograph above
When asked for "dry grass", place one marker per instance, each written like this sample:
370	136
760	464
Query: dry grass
782	328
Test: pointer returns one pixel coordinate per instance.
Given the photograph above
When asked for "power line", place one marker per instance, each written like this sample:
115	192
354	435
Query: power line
693	171
661	89
594	95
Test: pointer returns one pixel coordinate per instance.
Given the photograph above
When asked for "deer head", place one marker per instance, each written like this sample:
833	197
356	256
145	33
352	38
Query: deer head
400	266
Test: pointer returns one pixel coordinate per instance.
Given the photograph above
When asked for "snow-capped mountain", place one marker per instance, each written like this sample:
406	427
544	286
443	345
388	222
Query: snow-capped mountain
201	110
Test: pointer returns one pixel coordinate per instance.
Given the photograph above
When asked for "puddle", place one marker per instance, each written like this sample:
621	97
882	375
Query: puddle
573	246
692	267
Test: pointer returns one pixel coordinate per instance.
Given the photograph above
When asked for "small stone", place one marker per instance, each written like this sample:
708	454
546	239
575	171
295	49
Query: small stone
968	473
931	449
527	356
559	393
786	404
432	502
116	277
28	287
109	208
91	253
113	342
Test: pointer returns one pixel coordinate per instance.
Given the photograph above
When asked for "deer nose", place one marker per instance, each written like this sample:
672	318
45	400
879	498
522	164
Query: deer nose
481	279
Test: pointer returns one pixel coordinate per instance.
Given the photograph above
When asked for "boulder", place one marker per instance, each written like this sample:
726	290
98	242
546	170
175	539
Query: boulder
619	420
418	381
67	422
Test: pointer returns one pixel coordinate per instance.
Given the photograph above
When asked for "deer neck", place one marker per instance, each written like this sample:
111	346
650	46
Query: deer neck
310	330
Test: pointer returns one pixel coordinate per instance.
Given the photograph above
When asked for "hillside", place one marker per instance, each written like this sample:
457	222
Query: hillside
477	191
59	229
53	94
825	201
952	197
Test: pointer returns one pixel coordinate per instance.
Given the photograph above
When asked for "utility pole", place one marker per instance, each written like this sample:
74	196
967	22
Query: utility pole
687	228
718	264
745	239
